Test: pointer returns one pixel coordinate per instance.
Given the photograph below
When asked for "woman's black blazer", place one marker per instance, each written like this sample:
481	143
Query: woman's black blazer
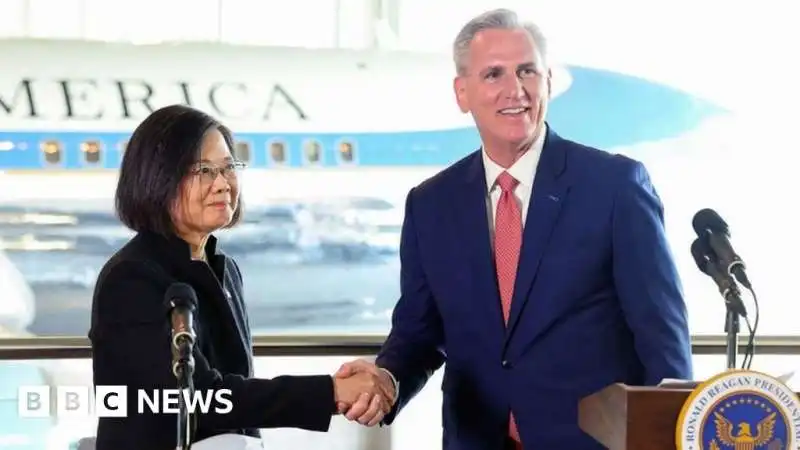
131	341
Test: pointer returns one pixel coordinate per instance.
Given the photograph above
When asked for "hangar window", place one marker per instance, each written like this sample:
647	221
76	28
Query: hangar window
312	150
241	151
91	151
277	152
51	152
347	152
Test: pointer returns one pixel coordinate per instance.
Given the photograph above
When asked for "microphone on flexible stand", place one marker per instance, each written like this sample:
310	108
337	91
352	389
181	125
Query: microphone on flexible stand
715	257
734	307
181	302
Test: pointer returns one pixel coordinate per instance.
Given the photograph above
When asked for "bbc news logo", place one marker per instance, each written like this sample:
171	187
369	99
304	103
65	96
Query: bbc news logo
112	401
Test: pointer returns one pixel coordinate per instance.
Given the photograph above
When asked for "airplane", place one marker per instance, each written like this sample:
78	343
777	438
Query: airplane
333	140
302	118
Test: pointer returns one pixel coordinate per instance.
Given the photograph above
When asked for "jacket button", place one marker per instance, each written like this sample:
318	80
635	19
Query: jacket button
506	364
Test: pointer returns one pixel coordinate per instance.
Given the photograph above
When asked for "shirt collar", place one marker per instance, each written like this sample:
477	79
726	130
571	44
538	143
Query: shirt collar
523	170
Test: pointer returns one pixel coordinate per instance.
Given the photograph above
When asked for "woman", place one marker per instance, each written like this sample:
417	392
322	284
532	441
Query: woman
177	185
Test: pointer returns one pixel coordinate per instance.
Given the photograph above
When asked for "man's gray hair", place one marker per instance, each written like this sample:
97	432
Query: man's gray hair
503	19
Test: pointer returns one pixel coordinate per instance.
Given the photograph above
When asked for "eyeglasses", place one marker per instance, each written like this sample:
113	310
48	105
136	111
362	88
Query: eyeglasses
208	172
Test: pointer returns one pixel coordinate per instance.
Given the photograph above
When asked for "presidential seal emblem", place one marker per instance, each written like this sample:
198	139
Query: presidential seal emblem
740	410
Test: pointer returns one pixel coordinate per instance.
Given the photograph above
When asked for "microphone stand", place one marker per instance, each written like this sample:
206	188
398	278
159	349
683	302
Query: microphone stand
732	296
183	370
732	328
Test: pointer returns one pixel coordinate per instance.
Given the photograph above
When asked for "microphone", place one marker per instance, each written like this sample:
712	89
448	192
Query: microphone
709	225
704	257
181	302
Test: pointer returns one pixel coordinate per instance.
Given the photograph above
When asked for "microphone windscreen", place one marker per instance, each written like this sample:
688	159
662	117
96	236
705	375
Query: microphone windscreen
708	219
180	295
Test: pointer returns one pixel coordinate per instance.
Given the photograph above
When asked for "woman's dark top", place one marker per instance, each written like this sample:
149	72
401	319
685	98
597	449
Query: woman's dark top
131	341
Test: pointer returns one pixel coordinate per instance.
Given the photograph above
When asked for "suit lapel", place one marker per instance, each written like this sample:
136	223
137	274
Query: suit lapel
472	220
202	278
212	281
550	190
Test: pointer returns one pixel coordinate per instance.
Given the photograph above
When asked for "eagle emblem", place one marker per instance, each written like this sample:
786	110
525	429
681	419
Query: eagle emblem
740	436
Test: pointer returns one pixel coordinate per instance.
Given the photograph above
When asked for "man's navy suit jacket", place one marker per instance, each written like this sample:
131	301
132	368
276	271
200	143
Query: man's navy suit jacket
597	299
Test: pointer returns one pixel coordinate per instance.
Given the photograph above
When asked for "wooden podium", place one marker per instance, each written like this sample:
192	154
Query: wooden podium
632	418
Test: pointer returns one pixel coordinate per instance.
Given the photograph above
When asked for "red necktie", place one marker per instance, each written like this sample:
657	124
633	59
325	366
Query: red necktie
507	245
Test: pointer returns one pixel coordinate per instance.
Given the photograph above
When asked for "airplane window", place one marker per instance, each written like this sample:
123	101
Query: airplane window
241	151
91	151
51	151
313	151
277	152
346	151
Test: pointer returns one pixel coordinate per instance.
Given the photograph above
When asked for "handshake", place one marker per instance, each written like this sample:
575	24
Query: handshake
364	393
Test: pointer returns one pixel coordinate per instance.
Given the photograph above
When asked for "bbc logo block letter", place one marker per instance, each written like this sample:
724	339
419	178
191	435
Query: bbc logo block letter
111	401
72	401
33	401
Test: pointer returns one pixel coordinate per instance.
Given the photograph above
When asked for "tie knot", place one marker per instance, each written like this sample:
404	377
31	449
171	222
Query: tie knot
506	182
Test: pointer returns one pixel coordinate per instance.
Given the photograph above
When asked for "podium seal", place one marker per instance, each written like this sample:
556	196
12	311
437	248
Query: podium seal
740	410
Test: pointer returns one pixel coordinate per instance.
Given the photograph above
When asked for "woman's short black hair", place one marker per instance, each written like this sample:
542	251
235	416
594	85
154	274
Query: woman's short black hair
158	157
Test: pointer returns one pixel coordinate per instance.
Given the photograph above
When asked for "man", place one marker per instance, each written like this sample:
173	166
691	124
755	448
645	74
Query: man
569	286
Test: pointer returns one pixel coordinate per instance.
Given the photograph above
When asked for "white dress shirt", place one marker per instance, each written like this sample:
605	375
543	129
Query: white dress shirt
523	170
